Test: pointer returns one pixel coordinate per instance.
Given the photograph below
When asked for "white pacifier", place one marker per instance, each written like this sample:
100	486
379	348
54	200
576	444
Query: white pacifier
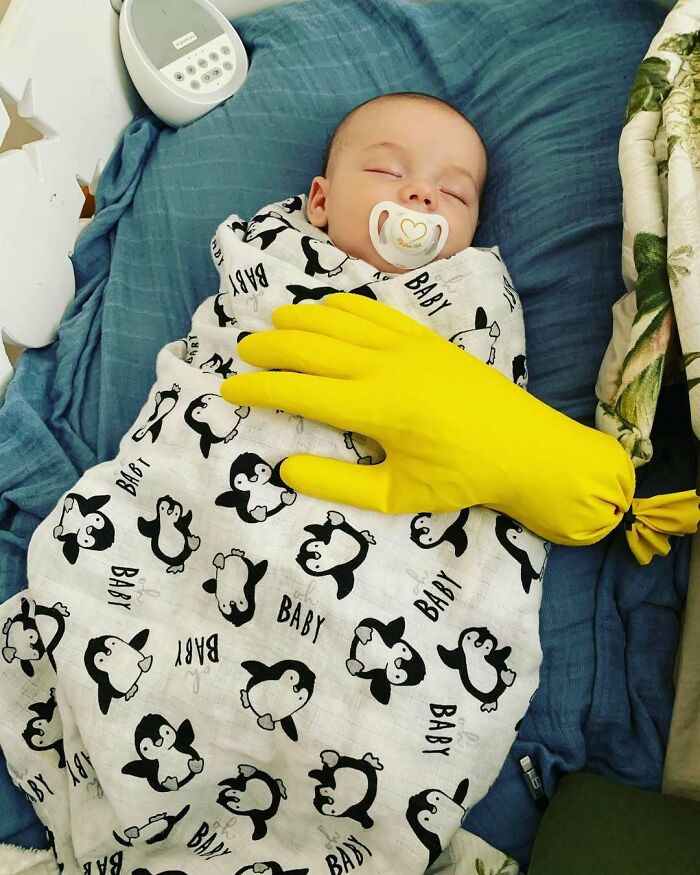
407	238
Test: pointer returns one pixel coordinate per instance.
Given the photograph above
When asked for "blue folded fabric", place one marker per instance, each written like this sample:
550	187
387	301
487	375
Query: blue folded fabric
609	630
547	91
55	408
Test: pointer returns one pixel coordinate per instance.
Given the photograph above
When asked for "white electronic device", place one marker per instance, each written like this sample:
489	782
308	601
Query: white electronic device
183	56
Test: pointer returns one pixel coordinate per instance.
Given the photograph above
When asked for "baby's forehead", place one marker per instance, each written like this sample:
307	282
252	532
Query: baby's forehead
409	125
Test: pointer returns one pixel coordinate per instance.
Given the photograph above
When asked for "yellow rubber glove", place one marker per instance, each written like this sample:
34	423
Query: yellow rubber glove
456	432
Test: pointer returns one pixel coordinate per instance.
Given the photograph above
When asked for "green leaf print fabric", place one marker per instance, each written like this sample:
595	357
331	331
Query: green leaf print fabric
656	324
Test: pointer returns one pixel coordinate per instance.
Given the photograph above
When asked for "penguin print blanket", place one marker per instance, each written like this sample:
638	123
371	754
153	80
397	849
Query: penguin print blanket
210	673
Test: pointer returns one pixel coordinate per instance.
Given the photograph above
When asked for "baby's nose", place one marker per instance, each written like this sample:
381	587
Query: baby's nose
425	199
419	194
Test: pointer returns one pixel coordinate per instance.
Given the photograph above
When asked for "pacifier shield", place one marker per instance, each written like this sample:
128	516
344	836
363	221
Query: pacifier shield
413	231
407	238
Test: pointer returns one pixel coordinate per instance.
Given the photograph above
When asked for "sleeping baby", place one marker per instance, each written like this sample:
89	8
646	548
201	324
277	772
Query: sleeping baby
209	666
413	161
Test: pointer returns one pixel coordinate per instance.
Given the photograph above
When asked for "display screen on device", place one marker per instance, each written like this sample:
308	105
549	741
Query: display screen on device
168	29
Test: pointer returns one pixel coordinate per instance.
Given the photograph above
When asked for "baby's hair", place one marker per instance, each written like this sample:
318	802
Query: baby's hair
335	138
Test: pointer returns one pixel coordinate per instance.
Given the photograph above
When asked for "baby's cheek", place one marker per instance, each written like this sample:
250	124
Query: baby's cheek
460	237
353	241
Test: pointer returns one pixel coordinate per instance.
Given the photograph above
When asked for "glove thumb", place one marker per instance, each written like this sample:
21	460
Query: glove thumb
335	481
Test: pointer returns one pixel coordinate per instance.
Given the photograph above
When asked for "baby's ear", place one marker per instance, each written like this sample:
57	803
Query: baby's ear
316	203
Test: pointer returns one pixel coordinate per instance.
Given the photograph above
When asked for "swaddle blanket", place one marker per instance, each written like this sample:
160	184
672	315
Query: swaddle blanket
212	673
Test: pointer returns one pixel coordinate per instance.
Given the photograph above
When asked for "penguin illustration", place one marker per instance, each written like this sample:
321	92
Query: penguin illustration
322	257
33	633
164	404
434	817
167	759
481	667
528	550
379	654
156	829
318	293
427	532
364	290
269	868
276	692
207	414
169	532
239	228
479	341
372	454
215	364
347	786
116	666
266	227
309	293
222	303
520	371
141	871
292	204
234	585
83	525
336	549
257	490
509	293
45	731
253	794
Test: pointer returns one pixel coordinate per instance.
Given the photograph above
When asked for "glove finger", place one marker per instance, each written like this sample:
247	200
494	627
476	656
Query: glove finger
304	352
335	402
331	322
364	486
377	312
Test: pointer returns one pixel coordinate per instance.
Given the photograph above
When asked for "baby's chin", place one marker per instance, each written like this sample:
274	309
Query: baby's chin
370	255
374	259
383	266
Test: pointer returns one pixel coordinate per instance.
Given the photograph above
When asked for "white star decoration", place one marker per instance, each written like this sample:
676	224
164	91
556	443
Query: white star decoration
64	102
15	131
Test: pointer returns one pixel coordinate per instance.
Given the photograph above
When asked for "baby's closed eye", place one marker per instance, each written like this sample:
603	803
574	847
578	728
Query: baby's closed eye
453	194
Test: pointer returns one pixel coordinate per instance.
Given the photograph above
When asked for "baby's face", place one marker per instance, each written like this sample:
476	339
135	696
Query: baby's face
412	152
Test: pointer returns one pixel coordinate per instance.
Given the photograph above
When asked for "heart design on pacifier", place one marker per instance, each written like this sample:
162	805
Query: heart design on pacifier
415	233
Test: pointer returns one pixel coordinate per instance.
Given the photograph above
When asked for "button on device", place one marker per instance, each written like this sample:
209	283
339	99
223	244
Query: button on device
194	84
206	77
179	77
202	62
225	50
191	69
215	73
213	56
228	65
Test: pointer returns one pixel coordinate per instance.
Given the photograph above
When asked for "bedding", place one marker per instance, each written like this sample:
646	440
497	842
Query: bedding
609	629
656	332
307	728
466	854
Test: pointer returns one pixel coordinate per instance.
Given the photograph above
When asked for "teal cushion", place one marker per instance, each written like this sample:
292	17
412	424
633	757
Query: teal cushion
546	90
